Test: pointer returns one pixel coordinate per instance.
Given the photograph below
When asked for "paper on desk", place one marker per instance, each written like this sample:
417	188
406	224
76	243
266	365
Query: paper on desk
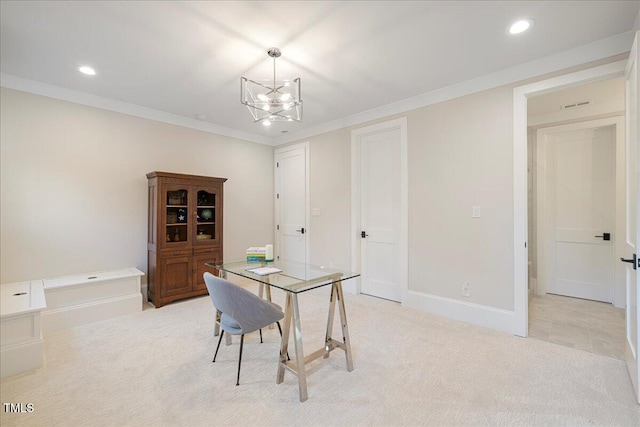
263	271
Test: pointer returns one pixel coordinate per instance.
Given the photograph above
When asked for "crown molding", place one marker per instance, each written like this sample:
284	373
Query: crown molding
598	50
83	98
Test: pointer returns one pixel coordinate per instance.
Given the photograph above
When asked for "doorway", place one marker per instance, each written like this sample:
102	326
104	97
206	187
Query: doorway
576	191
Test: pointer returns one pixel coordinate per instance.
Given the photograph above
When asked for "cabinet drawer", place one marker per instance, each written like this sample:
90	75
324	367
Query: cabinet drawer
175	252
207	251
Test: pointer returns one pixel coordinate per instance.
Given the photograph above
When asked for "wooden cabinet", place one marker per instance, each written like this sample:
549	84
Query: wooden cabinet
185	232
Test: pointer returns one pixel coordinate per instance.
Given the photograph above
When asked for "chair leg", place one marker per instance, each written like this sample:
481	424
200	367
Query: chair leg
261	336
218	347
280	329
240	358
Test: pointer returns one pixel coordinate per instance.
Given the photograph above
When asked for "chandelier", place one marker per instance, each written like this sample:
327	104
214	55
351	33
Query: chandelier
272	100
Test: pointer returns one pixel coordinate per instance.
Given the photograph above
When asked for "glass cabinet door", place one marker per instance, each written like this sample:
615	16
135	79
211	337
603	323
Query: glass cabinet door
177	215
206	231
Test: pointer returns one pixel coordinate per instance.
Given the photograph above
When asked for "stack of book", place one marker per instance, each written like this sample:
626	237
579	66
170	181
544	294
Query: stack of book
256	254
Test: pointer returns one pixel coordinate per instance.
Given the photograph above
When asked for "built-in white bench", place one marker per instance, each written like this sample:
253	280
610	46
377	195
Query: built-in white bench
20	327
86	298
40	306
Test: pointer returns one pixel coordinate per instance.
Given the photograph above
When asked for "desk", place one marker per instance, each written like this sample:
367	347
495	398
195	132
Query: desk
297	278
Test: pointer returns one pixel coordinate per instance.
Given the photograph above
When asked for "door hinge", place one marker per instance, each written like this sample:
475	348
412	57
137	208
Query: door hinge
277	164
278	227
278	196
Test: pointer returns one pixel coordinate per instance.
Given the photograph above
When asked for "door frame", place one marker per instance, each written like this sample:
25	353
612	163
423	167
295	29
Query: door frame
520	230
276	201
619	250
356	137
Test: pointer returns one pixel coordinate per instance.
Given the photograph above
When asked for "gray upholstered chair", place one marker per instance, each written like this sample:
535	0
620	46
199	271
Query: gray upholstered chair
241	312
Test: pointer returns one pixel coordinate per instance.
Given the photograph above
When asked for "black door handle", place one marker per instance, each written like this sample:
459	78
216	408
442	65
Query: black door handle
300	230
605	236
363	234
633	261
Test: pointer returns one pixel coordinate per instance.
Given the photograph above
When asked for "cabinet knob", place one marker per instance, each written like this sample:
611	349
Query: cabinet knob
176	253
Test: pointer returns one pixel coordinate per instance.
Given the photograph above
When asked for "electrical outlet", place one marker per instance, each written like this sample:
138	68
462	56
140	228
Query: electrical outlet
466	289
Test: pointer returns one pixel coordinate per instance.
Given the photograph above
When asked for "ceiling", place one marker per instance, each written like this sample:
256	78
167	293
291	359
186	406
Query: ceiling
185	59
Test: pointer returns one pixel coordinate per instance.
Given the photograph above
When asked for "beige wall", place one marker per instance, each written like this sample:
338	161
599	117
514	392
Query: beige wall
460	155
74	190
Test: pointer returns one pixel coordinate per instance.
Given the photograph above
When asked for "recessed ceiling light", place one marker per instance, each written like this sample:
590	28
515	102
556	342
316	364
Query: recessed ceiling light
520	26
85	69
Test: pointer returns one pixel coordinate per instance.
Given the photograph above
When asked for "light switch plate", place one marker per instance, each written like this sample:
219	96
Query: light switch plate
315	212
475	212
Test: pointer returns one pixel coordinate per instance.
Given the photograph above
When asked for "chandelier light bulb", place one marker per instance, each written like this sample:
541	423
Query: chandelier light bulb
266	123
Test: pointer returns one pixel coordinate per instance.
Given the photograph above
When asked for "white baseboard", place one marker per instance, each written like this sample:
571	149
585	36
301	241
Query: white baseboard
476	314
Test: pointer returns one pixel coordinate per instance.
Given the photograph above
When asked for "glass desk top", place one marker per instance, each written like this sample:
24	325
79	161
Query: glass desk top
294	277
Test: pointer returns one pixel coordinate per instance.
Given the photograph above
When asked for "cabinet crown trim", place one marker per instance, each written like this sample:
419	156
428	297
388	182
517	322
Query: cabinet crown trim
158	174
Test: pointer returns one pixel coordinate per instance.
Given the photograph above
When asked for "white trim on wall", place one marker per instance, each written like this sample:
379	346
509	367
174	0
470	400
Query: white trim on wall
476	314
356	135
83	98
520	95
600	49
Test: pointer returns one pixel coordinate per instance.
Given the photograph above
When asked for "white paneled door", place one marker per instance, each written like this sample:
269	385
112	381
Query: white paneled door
380	169
633	232
291	180
580	211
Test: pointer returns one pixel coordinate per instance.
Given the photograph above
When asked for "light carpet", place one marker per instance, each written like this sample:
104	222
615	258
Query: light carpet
154	368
